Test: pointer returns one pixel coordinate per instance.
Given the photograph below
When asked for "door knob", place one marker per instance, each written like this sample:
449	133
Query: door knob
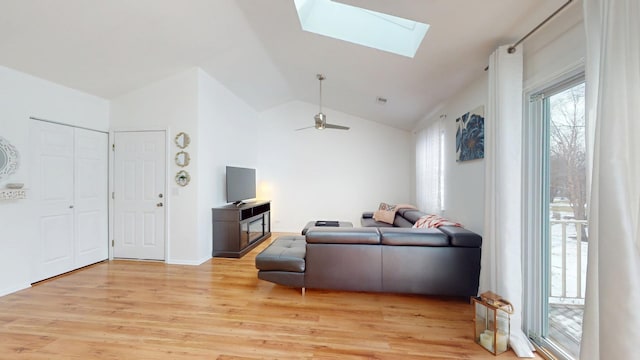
70	206
159	204
160	196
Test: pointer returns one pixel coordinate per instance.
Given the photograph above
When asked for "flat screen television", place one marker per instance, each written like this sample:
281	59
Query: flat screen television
241	184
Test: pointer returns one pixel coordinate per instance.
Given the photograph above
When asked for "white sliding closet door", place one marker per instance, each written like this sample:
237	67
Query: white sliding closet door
69	172
52	189
91	189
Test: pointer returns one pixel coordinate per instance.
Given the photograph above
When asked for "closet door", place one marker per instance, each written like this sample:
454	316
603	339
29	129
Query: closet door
52	174
69	172
90	197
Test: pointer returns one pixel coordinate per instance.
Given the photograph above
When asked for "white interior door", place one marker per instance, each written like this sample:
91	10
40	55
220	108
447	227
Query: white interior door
91	202
53	184
139	184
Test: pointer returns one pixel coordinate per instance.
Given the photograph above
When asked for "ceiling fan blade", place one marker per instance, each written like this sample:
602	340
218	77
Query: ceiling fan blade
338	127
304	128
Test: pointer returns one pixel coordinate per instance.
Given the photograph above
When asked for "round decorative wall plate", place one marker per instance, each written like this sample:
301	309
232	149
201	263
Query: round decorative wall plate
183	178
182	140
9	158
183	158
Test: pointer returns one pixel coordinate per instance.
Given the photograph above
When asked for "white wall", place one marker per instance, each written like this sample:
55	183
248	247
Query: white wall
23	96
464	181
557	48
228	135
308	174
171	103
329	174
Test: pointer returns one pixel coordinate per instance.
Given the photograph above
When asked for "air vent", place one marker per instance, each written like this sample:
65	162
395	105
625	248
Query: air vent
381	101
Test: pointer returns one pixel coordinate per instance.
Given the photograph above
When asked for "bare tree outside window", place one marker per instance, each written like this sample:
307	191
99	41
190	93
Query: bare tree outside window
568	152
565	245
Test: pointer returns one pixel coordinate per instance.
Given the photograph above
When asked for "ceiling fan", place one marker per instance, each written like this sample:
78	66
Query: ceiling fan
320	118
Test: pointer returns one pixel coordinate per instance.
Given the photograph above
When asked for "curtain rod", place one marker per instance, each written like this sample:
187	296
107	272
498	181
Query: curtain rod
512	48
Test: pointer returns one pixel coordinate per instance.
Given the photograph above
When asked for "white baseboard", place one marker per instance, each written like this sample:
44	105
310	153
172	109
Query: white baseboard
188	262
8	291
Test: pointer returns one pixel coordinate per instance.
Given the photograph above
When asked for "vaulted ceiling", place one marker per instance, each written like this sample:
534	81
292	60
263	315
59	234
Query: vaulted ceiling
258	50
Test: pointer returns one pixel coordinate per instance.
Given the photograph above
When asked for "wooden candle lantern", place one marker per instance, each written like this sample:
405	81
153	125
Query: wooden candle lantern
492	322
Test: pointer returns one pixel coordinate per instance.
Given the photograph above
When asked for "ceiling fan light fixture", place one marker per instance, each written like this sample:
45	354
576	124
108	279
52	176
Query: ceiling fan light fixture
320	118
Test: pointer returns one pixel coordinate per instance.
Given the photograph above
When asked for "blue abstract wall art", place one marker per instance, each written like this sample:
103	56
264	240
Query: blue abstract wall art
470	135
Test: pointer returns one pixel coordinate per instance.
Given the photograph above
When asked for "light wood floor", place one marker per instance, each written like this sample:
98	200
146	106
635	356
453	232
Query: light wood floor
220	310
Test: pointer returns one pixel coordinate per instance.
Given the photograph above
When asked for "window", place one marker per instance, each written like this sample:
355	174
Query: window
361	26
429	168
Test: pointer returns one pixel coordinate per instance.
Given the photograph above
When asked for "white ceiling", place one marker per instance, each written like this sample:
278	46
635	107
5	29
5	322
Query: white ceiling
258	51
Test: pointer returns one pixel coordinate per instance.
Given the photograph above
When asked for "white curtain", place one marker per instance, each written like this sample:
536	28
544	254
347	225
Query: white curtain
501	248
428	169
611	326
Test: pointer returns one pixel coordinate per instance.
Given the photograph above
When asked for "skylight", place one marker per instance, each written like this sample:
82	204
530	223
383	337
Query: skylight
361	26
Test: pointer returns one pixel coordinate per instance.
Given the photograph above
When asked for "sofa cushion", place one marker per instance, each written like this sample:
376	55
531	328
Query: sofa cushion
412	215
285	253
401	222
370	222
461	236
322	235
413	237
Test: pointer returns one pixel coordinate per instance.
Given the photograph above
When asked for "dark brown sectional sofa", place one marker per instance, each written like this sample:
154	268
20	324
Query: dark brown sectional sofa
378	257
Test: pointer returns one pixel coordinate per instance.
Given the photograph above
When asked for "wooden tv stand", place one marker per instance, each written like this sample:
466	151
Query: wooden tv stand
239	228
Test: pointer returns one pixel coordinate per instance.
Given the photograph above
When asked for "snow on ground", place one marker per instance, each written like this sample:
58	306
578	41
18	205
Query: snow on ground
571	263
